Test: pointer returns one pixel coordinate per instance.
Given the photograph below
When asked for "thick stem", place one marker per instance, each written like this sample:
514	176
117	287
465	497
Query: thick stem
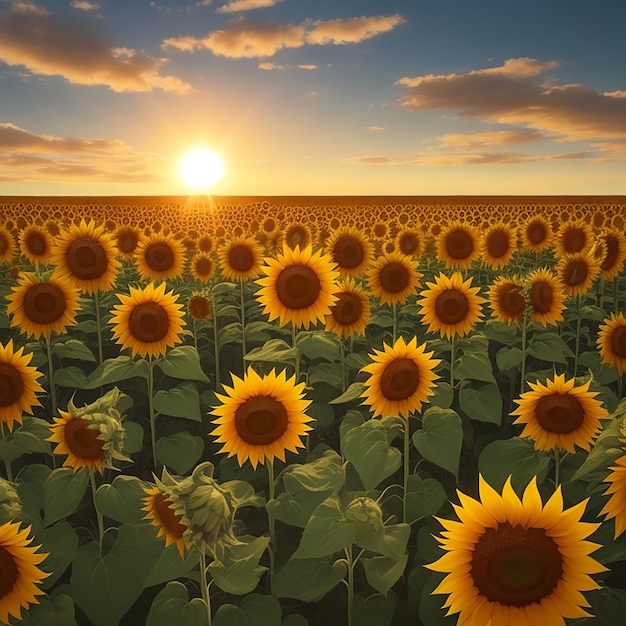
577	340
522	385
151	413
297	358
350	583
243	323
53	391
216	350
452	361
342	362
271	483
92	480
405	485
96	301
204	588
557	467
394	318
7	462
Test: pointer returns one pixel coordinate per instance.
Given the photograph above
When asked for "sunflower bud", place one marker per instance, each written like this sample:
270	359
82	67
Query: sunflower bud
10	503
366	517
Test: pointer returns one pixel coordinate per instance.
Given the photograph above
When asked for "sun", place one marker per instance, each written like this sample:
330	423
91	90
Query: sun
201	168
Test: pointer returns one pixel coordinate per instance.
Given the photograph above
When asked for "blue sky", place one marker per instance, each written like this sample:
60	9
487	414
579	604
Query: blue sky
314	97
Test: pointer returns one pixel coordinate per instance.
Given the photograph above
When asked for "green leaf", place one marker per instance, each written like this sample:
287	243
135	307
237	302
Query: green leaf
121	500
508	357
254	610
180	451
383	572
608	606
183	400
367	448
373	611
170	565
353	392
501	332
482	403
603	373
56	611
474	366
182	362
172	606
64	489
133	438
391	543
109	371
273	351
31	488
308	580
549	346
424	497
316	344
73	349
440	439
27	437
60	542
443	396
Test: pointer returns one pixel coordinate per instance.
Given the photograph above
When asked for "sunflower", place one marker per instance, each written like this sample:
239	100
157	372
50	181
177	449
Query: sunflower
615	253
393	278
202	267
546	297
85	255
159	511
240	259
350	250
560	414
511	560
261	418
401	378
615	508
458	245
206	243
298	287
573	236
506	299
160	256
41	307
127	238
577	272
536	234
351	312
297	235
612	341
19	574
7	244
147	321
451	306
199	306
498	244
410	242
36	244
18	385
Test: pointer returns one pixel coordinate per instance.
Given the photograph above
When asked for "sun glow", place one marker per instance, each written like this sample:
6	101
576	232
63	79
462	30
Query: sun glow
201	168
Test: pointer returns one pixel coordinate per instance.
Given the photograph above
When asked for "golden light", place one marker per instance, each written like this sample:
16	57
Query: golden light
201	168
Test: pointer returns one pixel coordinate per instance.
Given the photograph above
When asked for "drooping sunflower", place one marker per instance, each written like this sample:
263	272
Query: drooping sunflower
18	384
573	236
40	307
298	287
7	244
577	272
85	255
511	560
458	245
159	511
160	256
148	321
127	238
451	306
393	278
240	259
19	574
615	508
410	241
560	414
36	244
612	341
401	378
350	314
498	243
615	253
202	267
199	306
536	234
506	299
350	249
546	296
261	417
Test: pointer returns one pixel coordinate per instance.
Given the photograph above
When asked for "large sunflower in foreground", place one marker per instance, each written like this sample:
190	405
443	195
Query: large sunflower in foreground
546	296
159	511
451	306
160	256
40	307
498	243
612	341
36	244
401	378
19	574
560	414
393	278
506	299
458	245
298	287
615	508
148	321
511	560
261	417
18	385
351	312
85	255
240	259
350	250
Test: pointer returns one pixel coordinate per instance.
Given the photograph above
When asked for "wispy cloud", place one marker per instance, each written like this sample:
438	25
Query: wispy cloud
59	45
168	10
83	5
235	6
268	65
246	39
375	128
490	138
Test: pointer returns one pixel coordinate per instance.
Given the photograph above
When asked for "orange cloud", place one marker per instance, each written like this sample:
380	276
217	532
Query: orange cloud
490	138
246	5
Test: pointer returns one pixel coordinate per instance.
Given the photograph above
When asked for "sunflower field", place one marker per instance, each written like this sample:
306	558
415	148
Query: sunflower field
305	411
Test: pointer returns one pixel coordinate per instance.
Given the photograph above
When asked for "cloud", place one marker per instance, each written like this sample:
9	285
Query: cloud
83	5
514	93
370	159
59	45
375	128
246	5
169	10
490	138
268	65
245	39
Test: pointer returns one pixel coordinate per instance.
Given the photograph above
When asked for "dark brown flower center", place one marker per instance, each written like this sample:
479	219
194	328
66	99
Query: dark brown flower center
127	241
203	266
498	243
394	277
83	441
348	252
269	225
618	341
347	309
575	272
574	240
409	243
380	230
159	257
298	287
541	296
44	303
297	236
149	322
459	244
166	516
86	259
261	420
9	573
451	306
36	243
511	301
559	413
536	233
11	384
241	258
400	379
199	307
516	566
205	244
612	253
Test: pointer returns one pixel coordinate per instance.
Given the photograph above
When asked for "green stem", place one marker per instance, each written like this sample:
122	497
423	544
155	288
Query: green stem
271	521
96	300
407	441
216	350
557	467
92	480
7	461
523	350
243	323
342	362
350	583
151	412
620	384
577	340
394	318
206	592
297	358
452	361
615	295
194	329
53	391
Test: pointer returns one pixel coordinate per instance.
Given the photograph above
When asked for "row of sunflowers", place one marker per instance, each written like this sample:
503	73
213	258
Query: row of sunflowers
279	416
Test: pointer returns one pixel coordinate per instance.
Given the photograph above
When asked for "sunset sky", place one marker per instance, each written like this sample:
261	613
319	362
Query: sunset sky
314	97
